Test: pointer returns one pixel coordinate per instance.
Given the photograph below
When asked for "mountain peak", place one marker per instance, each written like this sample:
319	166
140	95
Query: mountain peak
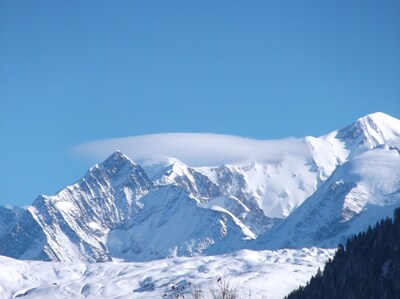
119	155
372	130
116	163
117	158
380	119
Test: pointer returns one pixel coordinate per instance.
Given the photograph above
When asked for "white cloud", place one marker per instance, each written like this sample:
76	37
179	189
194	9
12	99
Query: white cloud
195	149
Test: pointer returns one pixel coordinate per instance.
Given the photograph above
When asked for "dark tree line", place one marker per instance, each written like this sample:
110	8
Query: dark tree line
367	267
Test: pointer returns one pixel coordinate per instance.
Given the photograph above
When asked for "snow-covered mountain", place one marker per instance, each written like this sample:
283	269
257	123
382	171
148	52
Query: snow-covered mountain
73	224
160	207
360	192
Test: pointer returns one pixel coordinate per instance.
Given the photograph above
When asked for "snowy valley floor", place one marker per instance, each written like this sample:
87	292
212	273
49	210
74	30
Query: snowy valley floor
263	274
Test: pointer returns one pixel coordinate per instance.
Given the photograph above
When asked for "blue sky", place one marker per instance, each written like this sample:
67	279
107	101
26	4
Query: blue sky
76	71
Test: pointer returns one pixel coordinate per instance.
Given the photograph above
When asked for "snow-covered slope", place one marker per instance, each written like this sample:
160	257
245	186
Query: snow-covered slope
173	223
275	188
223	186
9	217
263	274
360	192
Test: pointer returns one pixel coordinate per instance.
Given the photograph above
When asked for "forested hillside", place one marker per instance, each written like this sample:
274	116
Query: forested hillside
367	267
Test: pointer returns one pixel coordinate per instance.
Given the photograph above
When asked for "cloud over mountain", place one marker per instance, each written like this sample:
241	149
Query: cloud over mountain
196	149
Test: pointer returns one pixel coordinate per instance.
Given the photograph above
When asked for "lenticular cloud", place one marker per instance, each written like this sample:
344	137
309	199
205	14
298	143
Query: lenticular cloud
195	149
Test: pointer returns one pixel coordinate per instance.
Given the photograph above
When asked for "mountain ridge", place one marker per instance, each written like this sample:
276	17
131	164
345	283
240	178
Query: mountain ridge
117	205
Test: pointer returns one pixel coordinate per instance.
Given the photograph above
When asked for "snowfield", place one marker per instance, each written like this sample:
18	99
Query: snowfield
263	274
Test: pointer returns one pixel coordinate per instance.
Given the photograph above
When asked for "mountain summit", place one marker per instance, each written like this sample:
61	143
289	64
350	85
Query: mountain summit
372	130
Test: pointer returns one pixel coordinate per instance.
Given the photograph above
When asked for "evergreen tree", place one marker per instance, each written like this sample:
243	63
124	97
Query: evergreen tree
367	267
